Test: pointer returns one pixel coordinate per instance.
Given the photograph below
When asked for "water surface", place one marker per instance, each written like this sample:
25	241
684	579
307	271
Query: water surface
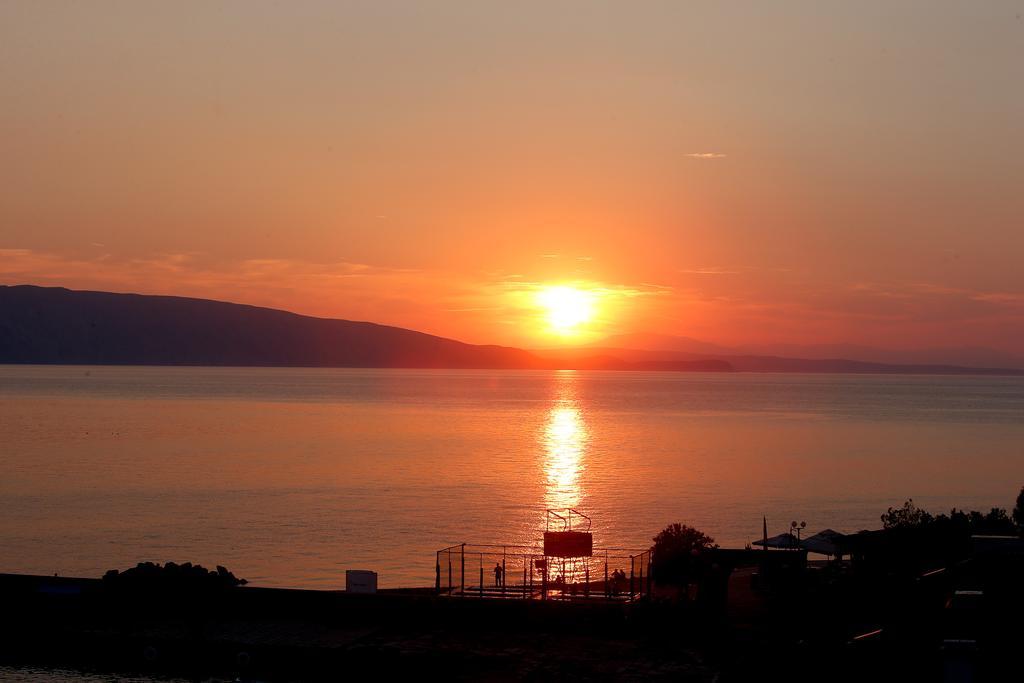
291	476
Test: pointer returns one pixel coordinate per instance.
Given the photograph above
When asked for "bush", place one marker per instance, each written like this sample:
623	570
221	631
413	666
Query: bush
172	577
679	556
913	539
907	517
996	521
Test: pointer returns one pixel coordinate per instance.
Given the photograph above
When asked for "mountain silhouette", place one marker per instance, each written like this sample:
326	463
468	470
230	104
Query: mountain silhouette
53	325
56	325
667	346
638	358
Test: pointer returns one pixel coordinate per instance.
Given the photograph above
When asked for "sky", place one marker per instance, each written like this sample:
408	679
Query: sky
743	173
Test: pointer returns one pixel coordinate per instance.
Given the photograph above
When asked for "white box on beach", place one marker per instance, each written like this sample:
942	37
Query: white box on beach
360	581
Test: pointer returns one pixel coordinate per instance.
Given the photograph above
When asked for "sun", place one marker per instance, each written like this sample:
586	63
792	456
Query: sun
567	307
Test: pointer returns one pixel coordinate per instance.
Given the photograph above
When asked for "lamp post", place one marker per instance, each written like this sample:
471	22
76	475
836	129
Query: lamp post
793	526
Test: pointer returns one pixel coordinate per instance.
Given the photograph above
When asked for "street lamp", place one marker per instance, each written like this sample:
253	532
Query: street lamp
793	526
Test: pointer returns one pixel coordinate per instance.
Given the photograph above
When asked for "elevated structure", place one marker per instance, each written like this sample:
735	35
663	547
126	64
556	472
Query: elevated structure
566	543
563	565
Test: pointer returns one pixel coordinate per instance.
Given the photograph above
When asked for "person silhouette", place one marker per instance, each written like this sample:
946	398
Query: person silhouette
618	578
497	574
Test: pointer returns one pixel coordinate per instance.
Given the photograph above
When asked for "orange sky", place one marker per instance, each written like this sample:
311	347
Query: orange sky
812	173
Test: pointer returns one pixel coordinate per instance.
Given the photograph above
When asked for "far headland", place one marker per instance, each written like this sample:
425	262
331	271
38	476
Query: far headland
54	325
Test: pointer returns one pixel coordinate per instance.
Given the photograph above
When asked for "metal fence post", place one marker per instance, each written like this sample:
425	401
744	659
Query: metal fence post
631	577
462	580
437	574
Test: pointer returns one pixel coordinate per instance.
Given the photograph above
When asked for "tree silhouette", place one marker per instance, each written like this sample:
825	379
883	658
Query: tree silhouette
679	556
1018	510
908	516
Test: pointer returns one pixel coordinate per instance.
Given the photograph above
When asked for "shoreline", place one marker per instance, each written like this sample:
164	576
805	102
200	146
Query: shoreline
898	371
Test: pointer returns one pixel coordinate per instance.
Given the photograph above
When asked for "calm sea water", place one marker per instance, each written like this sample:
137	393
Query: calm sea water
290	476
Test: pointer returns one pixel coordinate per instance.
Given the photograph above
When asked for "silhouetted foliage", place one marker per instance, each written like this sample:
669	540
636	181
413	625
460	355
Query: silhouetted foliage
912	539
172	577
679	556
995	521
1018	511
908	516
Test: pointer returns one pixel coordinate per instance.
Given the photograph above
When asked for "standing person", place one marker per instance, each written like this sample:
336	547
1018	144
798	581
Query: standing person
618	578
497	574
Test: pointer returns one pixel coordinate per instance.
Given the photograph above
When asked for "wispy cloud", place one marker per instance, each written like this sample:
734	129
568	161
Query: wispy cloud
473	309
710	270
566	258
706	155
297	285
1007	298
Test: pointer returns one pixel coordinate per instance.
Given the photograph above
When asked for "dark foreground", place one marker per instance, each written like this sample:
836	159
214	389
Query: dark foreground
280	634
839	623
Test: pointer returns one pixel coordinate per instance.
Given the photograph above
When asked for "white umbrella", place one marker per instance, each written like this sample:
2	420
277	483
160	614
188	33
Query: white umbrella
787	541
825	542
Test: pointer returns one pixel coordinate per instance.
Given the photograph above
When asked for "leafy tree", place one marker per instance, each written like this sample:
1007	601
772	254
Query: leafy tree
1018	511
908	516
995	521
679	554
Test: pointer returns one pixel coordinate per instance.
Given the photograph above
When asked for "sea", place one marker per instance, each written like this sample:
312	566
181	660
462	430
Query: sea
289	477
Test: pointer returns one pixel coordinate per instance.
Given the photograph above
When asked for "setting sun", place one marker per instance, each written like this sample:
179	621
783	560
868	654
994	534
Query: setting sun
567	307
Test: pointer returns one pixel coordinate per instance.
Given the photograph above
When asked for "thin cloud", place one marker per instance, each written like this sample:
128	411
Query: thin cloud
471	309
523	287
264	281
710	270
551	257
706	155
1007	298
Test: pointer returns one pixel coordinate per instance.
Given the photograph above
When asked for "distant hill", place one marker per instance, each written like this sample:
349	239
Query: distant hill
972	357
752	363
843	365
585	359
646	341
967	356
51	325
56	325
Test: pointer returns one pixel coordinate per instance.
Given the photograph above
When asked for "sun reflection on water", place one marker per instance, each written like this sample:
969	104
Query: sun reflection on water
565	438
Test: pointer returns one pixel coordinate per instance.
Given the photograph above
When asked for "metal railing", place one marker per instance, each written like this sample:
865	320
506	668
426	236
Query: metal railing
523	572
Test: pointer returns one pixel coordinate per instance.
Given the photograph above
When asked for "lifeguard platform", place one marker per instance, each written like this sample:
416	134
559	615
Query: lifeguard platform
562	565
